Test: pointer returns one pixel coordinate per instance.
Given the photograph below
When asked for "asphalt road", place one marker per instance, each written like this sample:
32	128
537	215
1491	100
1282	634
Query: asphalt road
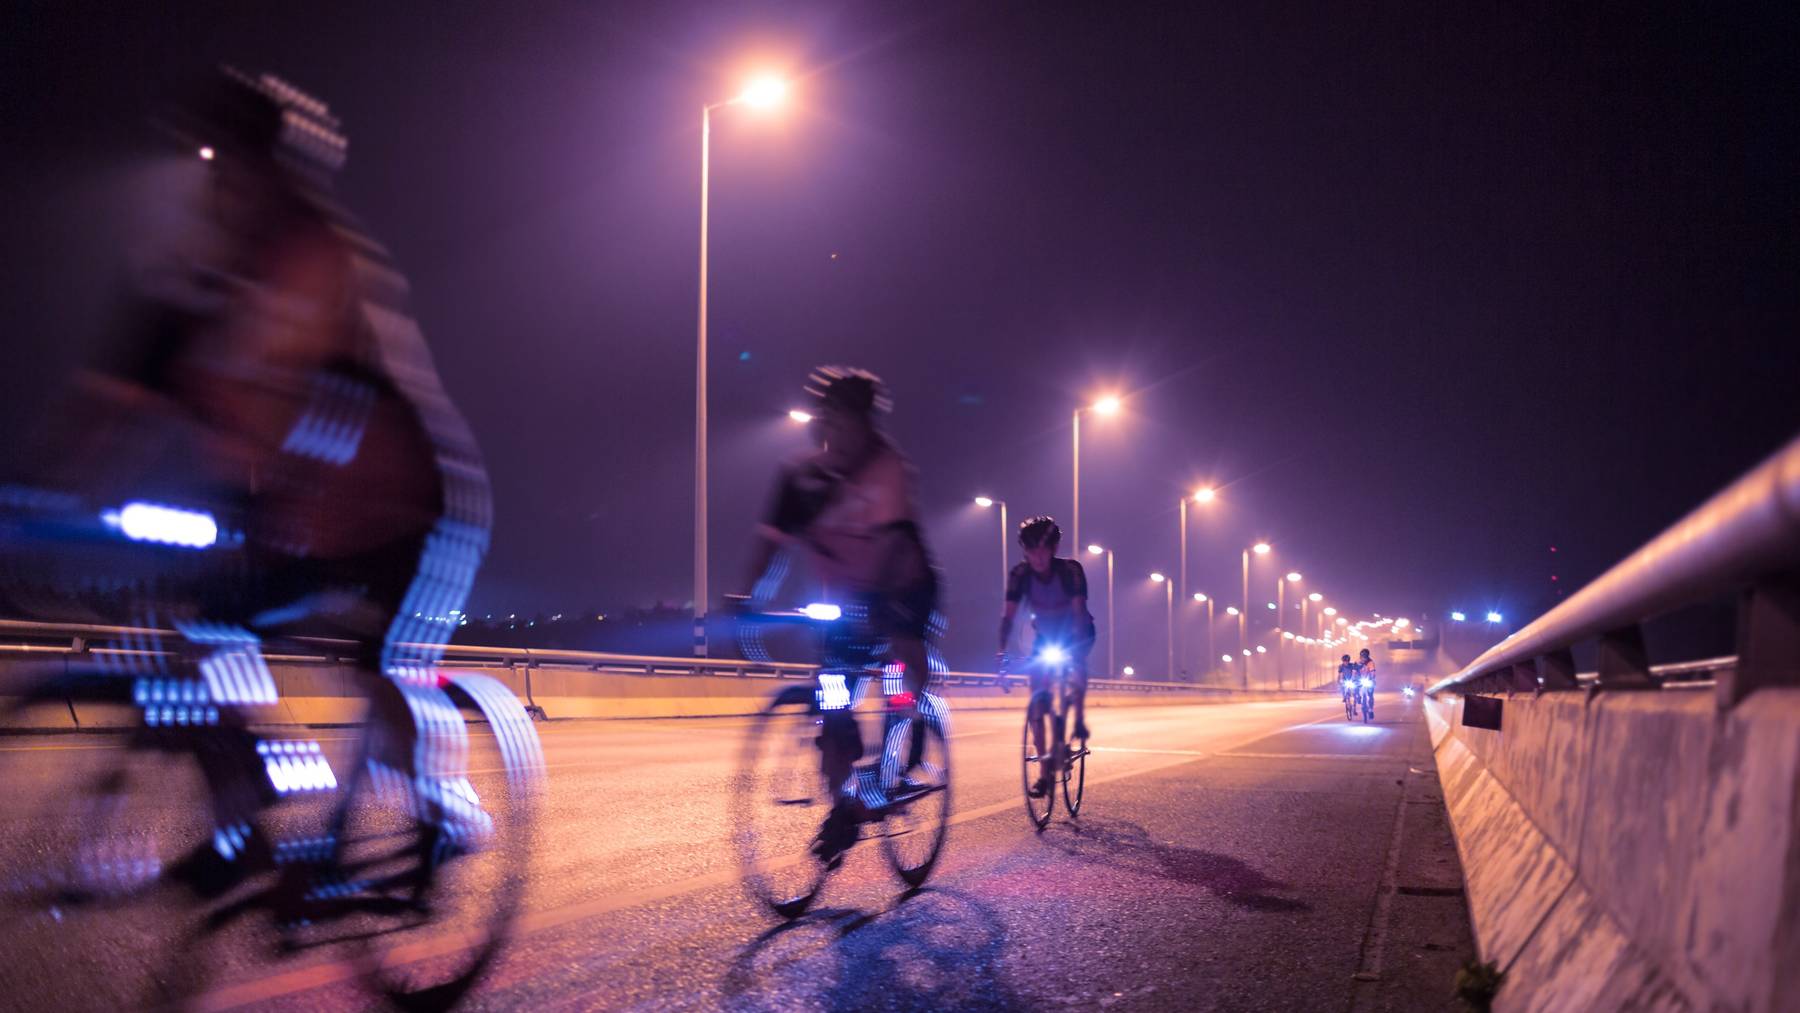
1255	856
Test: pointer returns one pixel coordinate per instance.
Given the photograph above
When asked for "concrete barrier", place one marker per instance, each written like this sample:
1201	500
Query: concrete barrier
1631	850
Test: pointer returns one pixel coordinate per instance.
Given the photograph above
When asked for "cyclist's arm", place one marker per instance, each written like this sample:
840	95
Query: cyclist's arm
1007	615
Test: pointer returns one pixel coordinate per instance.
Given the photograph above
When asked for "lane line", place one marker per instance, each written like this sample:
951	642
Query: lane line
1314	756
533	922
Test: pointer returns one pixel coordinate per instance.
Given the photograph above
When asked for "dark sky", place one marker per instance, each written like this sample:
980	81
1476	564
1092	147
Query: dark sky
1426	288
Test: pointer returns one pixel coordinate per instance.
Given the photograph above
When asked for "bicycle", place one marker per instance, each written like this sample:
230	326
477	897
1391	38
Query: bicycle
1065	764
237	820
782	792
1366	697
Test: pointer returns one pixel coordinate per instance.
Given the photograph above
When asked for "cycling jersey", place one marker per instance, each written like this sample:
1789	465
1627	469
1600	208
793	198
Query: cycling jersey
1051	599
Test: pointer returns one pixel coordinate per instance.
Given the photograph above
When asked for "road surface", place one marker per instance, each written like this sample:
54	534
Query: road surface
1263	855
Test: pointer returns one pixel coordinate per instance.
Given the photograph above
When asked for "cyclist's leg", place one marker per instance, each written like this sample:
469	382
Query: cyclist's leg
1077	685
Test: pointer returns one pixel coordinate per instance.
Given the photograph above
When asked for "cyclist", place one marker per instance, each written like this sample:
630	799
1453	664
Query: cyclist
1055	588
850	508
1365	668
1347	672
363	498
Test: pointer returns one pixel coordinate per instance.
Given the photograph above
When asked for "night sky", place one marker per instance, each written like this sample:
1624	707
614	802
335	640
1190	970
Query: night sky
1424	289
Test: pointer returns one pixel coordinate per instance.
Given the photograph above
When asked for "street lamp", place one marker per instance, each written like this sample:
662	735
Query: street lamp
761	93
1169	606
1208	602
1204	494
987	502
1293	577
1261	549
1112	632
799	416
1108	405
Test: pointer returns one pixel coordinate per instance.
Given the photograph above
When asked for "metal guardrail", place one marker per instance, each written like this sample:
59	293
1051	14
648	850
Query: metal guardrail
22	637
1745	539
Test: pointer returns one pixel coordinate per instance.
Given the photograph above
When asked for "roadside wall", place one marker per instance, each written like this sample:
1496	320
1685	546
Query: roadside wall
1631	850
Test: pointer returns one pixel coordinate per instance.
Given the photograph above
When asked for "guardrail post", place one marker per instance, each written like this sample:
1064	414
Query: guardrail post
1557	669
1523	677
1768	641
1623	660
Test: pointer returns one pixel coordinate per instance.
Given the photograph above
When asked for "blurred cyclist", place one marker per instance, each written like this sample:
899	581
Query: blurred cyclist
1055	589
280	343
849	507
1347	671
1365	665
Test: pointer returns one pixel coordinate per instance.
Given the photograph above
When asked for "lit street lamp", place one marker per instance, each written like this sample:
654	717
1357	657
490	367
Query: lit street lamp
987	502
1261	549
1112	632
1293	577
1201	598
761	93
1169	606
1204	494
1108	405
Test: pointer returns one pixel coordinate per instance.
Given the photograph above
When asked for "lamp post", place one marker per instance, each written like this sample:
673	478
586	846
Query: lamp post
1169	605
1112	632
986	502
1204	494
761	93
1281	626
1108	405
1202	598
1261	549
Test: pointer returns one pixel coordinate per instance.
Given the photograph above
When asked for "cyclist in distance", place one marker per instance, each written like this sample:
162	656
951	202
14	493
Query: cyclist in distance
1347	672
1055	589
1365	665
849	508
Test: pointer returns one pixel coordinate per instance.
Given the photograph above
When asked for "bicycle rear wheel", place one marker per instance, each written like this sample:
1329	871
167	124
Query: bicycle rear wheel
778	803
1074	777
1035	766
918	811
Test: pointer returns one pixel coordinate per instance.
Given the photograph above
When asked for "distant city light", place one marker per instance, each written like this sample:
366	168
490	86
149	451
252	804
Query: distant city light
1401	624
1495	617
801	417
1457	617
206	154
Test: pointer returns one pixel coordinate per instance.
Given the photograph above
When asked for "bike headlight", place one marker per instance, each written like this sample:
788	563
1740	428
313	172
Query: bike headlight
1368	683
823	612
1053	655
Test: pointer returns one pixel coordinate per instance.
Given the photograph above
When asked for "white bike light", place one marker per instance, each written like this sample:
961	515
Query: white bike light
823	612
1053	655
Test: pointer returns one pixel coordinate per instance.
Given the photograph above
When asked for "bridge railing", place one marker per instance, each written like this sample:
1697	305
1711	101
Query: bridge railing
34	638
1744	540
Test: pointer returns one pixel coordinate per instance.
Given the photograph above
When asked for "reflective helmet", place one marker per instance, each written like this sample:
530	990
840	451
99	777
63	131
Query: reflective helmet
1040	530
1346	659
263	117
1365	652
857	391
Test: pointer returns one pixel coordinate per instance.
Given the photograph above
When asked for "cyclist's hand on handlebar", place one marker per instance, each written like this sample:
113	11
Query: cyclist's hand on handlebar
1001	661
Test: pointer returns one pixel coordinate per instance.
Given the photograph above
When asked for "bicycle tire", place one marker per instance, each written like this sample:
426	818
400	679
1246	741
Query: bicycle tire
402	879
1032	765
914	829
1075	771
777	803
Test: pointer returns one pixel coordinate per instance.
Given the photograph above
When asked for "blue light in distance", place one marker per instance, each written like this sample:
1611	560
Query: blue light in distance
824	612
1495	617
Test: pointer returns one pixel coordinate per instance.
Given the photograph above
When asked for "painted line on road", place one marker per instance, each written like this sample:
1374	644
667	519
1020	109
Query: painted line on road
531	923
1153	752
1314	756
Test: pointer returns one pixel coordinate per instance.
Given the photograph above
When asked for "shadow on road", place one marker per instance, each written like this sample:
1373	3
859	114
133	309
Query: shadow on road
933	950
1121	844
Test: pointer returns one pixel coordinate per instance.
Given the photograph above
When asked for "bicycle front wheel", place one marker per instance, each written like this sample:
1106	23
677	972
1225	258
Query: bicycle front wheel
1037	765
918	811
1074	778
778	802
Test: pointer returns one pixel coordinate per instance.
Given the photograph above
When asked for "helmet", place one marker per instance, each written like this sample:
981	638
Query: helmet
1365	652
856	391
1040	530
1346	657
260	118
